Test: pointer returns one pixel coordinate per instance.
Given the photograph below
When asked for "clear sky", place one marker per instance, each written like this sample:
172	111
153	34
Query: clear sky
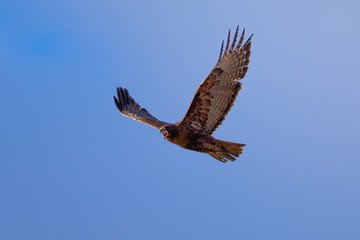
72	167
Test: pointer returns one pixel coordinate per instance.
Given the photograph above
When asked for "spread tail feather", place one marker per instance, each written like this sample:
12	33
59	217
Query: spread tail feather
227	151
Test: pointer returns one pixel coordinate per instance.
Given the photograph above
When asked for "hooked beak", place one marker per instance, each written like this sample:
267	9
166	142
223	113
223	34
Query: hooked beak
165	134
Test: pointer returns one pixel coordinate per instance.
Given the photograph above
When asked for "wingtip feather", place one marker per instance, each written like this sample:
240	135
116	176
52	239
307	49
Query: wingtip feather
221	50
227	42
249	39
234	40
117	104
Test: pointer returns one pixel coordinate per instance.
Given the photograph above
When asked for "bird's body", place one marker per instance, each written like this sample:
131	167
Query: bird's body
200	141
212	101
191	139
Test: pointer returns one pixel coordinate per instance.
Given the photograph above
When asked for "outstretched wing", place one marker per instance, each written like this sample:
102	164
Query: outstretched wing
216	94
128	107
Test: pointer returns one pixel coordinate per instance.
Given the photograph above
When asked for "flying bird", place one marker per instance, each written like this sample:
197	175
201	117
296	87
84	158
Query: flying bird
212	101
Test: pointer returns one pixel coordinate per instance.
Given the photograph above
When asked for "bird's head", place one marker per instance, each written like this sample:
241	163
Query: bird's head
169	131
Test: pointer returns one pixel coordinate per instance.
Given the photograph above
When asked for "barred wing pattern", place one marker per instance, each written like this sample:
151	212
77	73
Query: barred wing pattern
217	93
129	108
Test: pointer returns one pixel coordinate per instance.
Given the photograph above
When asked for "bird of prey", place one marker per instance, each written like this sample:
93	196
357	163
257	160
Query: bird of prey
212	101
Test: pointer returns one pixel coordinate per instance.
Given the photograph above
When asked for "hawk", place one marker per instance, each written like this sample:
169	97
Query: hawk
212	101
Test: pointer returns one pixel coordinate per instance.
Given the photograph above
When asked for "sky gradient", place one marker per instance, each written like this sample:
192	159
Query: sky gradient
72	167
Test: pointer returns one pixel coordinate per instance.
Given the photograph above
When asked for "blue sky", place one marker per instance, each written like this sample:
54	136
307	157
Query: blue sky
72	167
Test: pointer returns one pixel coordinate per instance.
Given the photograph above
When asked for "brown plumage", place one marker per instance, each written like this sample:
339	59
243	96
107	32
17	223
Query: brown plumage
212	101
